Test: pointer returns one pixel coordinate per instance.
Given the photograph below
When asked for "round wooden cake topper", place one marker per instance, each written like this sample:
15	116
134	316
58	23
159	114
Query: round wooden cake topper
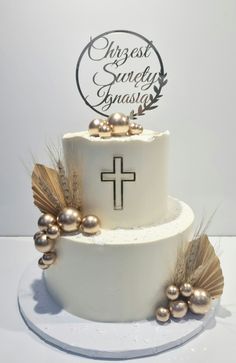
120	70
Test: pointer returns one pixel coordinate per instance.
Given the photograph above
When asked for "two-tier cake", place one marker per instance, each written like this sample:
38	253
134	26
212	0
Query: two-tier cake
120	273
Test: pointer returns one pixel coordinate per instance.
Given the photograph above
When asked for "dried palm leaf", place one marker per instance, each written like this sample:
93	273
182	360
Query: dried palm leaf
47	191
200	266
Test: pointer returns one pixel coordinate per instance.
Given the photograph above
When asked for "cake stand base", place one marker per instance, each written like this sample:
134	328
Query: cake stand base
96	339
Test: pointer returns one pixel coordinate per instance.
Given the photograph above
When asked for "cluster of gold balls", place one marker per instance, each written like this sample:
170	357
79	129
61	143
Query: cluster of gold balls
69	220
116	124
182	299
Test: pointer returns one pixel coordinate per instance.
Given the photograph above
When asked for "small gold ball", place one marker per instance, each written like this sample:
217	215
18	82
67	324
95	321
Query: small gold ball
69	220
104	122
104	131
45	221
172	292
90	225
53	232
37	235
44	244
49	258
135	129
200	301
186	289
162	314
41	264
94	126
178	308
119	123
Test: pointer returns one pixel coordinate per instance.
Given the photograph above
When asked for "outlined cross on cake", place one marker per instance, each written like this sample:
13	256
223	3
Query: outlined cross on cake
118	177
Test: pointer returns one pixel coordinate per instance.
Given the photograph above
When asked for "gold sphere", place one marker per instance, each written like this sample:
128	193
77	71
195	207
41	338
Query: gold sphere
37	235
172	292
200	301
90	225
178	309
104	131
119	124
53	232
94	126
135	129
49	258
186	289
44	244
162	314
41	264
45	221
69	220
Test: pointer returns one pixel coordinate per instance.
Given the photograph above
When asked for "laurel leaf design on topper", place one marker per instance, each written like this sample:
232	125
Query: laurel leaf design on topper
153	99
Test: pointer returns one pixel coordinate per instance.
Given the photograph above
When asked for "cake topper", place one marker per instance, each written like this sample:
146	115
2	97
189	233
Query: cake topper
120	69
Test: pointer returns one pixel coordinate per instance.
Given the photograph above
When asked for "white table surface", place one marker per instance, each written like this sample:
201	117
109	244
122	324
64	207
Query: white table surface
18	344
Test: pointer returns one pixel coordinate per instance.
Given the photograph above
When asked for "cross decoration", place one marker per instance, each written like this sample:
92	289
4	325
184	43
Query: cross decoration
118	176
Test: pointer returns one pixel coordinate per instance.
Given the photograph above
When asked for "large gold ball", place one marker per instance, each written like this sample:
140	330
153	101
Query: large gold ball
119	124
178	309
69	220
200	301
135	129
53	232
41	264
104	131
94	126
45	221
162	314
49	258
90	225
44	244
172	292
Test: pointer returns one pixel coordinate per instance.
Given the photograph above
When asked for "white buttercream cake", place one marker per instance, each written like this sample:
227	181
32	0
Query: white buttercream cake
120	274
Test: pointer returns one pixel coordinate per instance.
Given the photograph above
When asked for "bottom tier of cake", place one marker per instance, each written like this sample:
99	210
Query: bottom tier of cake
119	275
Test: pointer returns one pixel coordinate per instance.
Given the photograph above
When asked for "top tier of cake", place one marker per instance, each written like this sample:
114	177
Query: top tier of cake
123	180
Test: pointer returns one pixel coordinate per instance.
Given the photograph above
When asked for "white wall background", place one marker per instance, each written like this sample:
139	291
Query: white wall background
40	42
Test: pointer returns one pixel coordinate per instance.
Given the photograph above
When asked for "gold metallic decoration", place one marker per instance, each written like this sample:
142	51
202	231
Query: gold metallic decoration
178	309
45	221
119	124
172	292
90	225
69	220
200	301
105	131
162	314
44	244
41	264
186	289
135	129
53	232
49	258
37	235
94	126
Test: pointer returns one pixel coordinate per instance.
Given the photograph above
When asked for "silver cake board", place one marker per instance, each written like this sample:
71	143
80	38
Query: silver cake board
96	339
